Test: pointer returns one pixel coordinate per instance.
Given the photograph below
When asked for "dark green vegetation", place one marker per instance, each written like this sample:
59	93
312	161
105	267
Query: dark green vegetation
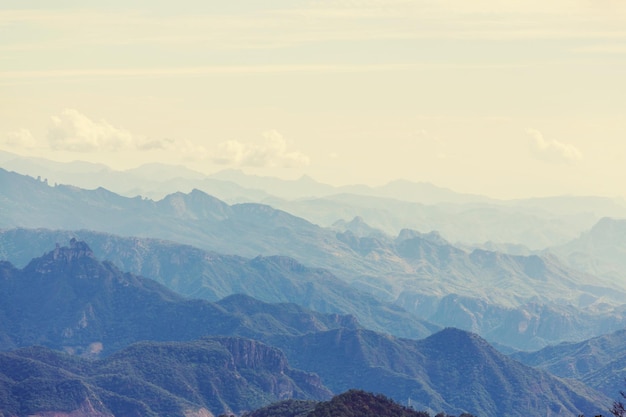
154	379
68	300
353	403
291	408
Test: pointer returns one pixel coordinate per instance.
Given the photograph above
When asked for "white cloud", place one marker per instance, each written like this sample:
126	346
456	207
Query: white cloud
272	152
20	139
73	131
552	150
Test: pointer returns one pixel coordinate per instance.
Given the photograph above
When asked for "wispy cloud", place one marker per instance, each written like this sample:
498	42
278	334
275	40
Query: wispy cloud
73	131
272	152
552	150
20	139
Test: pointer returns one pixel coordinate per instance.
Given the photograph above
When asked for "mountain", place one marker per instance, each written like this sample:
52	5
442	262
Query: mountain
536	223
452	371
599	362
68	300
208	275
468	223
600	250
149	180
412	270
439	268
198	378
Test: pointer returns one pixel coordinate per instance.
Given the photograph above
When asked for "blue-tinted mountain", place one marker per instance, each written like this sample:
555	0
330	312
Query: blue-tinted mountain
212	276
69	300
601	250
471	219
199	378
599	362
413	270
452	371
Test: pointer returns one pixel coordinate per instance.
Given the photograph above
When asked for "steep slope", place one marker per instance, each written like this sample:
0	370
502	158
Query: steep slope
453	371
212	375
69	300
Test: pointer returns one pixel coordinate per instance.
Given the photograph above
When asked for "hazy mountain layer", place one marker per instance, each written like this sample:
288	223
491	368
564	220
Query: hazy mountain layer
68	300
197	273
415	269
200	274
471	219
601	250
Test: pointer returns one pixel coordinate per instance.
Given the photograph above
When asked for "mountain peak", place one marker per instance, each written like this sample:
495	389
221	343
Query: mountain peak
454	339
77	249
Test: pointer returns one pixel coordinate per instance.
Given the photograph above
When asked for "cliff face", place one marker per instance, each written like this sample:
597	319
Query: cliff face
281	380
255	355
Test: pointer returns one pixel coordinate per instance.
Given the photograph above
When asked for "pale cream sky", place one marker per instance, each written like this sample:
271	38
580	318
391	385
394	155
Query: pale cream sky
504	98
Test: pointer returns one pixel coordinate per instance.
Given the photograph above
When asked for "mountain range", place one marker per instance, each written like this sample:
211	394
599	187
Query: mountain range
599	362
68	300
525	301
469	219
90	307
198	378
196	273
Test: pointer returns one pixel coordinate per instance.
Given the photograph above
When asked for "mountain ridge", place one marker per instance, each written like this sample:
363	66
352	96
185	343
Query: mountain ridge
432	371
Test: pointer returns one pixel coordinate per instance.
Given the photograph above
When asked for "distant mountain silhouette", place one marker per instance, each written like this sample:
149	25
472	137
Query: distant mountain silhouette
599	250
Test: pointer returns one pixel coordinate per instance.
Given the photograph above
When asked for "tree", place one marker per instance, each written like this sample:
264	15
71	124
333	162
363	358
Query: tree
618	409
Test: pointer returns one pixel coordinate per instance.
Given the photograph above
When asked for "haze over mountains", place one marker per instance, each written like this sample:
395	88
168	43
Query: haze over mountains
536	222
92	308
520	301
364	287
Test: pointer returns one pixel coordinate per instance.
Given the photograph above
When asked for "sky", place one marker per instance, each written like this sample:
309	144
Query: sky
508	98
